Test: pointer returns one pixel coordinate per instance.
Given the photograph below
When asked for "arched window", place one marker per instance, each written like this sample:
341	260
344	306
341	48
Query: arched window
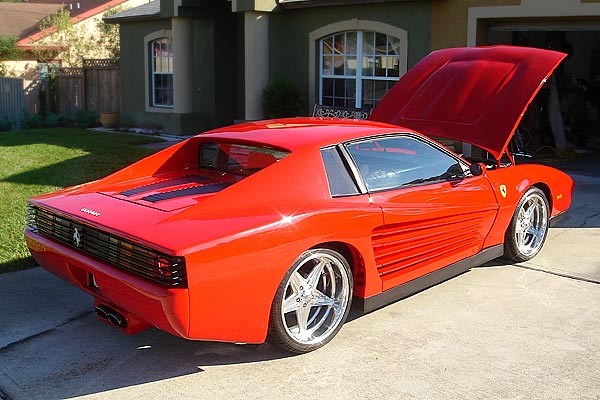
161	68
357	68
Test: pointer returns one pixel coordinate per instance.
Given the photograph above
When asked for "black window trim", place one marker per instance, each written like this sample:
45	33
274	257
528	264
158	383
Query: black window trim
352	168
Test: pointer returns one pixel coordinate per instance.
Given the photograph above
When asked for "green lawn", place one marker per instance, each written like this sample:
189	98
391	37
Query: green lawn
38	161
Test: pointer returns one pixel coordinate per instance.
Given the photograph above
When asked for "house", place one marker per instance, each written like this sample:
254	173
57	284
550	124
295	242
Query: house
43	47
192	65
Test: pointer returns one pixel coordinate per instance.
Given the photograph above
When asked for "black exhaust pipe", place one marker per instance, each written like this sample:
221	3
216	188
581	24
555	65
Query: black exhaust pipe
102	312
111	315
117	320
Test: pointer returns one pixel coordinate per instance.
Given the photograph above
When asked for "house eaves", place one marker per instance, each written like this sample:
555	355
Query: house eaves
292	4
144	12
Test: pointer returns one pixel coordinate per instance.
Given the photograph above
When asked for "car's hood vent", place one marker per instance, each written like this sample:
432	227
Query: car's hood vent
169	193
190	191
164	184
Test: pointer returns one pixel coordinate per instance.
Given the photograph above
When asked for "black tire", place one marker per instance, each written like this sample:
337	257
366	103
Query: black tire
312	301
528	228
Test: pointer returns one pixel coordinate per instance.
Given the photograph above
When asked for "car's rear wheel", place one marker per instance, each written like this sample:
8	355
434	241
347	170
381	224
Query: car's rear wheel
312	301
528	228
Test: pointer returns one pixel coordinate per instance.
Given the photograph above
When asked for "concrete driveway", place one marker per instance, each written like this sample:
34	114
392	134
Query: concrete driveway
500	331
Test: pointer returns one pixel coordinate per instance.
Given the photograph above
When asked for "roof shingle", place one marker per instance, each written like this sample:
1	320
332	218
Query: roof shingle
146	11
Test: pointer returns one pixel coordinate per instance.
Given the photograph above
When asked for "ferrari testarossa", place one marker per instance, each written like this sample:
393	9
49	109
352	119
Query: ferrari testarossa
269	230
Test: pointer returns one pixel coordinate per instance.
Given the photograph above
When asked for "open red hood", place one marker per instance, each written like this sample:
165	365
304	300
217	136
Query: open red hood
475	95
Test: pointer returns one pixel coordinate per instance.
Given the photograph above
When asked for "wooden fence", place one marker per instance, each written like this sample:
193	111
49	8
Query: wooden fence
94	87
68	89
11	100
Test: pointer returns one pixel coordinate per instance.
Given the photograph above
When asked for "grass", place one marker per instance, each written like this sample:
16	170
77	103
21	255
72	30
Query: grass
39	161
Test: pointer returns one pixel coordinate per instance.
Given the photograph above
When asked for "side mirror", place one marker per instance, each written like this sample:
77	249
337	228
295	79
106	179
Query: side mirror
477	169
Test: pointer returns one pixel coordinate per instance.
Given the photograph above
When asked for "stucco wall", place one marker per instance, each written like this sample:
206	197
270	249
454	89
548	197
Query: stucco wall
133	77
214	83
289	33
449	20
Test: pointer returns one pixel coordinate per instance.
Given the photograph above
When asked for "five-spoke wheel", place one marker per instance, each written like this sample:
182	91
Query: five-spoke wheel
312	301
529	226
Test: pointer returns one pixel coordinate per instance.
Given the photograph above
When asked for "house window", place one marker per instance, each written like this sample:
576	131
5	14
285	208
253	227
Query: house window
357	68
161	64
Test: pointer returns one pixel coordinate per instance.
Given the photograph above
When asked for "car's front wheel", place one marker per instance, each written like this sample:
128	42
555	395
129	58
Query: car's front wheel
312	301
528	228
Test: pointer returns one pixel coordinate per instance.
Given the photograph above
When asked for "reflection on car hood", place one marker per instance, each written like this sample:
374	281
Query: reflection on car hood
475	95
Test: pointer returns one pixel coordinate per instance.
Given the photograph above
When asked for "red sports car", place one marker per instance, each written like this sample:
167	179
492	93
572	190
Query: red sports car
270	229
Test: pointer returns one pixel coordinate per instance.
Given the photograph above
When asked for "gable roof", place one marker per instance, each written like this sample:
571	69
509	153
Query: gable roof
22	19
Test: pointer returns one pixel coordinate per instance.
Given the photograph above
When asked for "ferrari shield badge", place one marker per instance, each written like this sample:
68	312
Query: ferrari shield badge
76	237
503	190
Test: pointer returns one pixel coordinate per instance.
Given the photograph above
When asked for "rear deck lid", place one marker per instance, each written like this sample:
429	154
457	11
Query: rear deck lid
475	95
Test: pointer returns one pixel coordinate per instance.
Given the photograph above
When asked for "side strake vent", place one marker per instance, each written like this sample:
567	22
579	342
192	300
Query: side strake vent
191	191
183	180
405	246
114	250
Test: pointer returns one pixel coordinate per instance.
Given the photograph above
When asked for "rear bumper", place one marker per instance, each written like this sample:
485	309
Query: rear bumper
164	308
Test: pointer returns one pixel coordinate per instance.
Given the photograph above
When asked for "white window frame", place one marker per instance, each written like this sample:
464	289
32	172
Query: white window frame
315	66
154	73
149	101
359	78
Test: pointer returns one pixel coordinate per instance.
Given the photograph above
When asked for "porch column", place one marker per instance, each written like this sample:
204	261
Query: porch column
256	56
182	65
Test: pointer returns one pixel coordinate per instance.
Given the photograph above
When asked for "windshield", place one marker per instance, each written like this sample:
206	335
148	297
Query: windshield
239	159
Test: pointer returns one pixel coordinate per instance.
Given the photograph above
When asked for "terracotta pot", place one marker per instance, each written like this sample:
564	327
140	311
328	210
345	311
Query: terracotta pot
110	119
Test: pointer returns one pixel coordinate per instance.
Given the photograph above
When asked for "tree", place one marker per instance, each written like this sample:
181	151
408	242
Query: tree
73	42
109	37
8	52
89	39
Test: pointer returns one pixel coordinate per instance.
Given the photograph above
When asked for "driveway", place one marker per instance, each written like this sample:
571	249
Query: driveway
500	331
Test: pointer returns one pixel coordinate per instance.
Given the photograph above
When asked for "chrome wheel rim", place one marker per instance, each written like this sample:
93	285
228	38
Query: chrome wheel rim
315	299
531	226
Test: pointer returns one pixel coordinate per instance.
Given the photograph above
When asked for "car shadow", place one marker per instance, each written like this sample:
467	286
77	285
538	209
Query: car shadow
84	356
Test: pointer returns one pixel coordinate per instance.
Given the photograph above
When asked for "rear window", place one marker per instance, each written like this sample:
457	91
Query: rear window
238	159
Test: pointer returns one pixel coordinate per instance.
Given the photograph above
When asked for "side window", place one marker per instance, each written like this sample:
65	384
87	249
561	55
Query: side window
393	162
338	177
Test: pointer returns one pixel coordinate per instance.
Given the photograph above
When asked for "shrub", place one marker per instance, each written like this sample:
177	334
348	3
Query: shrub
56	120
85	119
31	121
281	98
5	124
